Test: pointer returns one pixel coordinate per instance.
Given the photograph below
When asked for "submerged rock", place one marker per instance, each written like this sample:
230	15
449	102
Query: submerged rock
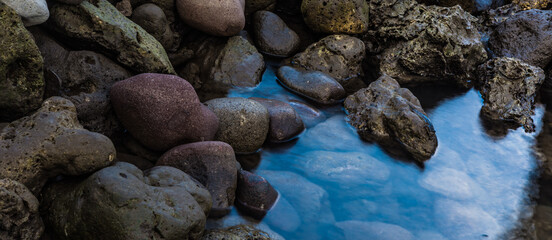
254	196
32	12
392	116
122	202
19	212
509	87
49	143
152	19
238	232
374	230
337	16
314	85
273	36
285	122
220	18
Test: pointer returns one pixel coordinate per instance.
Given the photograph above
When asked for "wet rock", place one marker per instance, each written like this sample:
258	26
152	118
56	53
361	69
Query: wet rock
244	123
334	134
464	221
390	115
273	36
467	5
374	230
32	12
338	16
310	115
122	202
213	164
93	25
526	36
508	88
21	77
436	44
162	111
49	143
489	20
532	4
152	19
19	212
238	232
254	196
282	209
451	183
339	56
252	6
221	18
314	85
285	122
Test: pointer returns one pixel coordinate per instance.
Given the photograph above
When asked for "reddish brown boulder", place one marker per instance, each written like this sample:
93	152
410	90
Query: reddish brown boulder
254	196
285	122
219	18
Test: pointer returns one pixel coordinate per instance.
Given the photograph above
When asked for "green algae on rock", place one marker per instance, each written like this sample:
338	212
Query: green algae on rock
336	16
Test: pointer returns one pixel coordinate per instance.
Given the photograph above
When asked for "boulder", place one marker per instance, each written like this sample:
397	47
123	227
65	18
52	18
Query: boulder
237	232
273	36
152	19
254	196
32	12
314	85
337	16
220	18
19	212
285	122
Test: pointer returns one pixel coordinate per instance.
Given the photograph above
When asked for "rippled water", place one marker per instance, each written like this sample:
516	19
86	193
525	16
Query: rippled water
335	186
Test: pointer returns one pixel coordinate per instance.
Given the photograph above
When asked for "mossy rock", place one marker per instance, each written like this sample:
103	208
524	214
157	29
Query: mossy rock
336	16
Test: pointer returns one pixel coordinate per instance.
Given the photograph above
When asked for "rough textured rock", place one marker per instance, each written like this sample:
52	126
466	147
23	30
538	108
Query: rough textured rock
467	5
152	19
124	7
533	4
436	44
526	36
285	122
392	116
74	2
238	232
95	24
49	143
254	196
21	77
509	87
213	164
252	6
32	12
244	123
122	202
337	16
273	36
489	20
19	212
220	18
339	56
162	111
314	85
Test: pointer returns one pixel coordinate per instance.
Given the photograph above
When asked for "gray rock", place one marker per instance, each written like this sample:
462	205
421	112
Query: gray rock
32	12
273	36
238	232
373	230
152	19
19	212
314	85
49	143
392	116
244	123
489	20
285	122
337	16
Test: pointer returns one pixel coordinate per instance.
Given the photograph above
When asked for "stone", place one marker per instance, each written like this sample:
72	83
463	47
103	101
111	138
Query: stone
98	24
393	117
533	4
32	12
237	232
168	6
489	20
374	230
221	18
313	85
285	122
122	202
526	36
49	143
213	164
309	114
509	87
252	6
450	183
273	36
338	16
254	195
162	111
467	5
339	56
21	68
19	212
152	19
125	7
73	2
244	123
464	221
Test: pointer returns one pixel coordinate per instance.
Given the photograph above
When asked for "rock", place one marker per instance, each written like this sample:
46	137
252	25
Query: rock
168	6
282	209
254	196
19	212
338	16
32	12
221	18
373	230
124	7
213	164
273	36
21	77
532	4
244	123
508	88
152	19
162	111
285	122
437	44
489	20
252	6
467	5
314	85
310	115
526	36
49	143
238	232
392	116
464	221
73	2
98	24
121	202
451	183
339	56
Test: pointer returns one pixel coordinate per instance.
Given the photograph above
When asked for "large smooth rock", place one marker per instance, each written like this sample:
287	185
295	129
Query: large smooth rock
337	16
162	111
98	24
509	87
310	115
21	77
213	164
32	12
238	232
49	143
244	123
374	230
152	19
19	212
254	195
314	85
285	122
392	116
220	18
273	36
122	202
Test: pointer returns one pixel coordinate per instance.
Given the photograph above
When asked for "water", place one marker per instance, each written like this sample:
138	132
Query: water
335	186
